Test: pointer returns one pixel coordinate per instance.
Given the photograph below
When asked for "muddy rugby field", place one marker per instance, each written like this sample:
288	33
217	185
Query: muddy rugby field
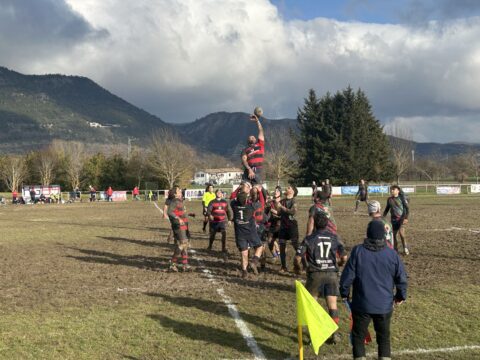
89	281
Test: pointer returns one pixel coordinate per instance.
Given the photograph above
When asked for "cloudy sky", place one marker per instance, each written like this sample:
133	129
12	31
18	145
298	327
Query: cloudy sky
418	61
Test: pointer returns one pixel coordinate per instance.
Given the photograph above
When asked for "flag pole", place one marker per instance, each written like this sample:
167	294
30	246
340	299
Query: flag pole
300	343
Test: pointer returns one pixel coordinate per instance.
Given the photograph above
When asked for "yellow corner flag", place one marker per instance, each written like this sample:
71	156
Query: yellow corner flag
311	314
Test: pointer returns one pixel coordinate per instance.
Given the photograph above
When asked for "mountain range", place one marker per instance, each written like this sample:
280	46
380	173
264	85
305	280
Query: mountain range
35	109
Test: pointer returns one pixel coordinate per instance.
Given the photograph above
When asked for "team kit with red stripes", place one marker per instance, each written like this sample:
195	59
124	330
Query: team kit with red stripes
260	219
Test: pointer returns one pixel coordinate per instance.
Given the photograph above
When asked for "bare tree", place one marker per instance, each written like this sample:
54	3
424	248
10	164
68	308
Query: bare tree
170	159
46	165
474	162
137	165
280	155
13	170
401	140
74	154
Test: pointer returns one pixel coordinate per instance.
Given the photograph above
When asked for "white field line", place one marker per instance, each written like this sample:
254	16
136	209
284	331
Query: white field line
417	351
454	228
232	309
161	211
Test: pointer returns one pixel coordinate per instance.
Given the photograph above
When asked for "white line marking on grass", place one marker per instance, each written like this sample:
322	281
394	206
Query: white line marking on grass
419	351
454	228
232	309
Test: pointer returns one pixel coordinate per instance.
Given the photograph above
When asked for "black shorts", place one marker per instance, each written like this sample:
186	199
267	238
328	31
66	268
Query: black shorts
274	229
180	235
322	283
217	227
396	225
243	243
290	233
258	179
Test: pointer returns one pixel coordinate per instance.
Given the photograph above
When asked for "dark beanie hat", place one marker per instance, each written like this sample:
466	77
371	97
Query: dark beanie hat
376	230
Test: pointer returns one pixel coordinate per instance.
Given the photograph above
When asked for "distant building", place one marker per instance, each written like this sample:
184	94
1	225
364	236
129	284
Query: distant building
218	176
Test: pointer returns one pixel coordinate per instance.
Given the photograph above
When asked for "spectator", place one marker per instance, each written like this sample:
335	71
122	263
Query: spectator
32	196
14	196
93	193
373	270
109	193
136	193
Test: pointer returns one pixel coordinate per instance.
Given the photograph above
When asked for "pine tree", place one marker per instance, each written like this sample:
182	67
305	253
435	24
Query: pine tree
340	139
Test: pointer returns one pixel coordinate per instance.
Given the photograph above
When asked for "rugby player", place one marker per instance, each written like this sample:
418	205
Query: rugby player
178	219
208	196
321	206
253	155
219	212
399	210
320	251
362	193
246	235
374	212
287	209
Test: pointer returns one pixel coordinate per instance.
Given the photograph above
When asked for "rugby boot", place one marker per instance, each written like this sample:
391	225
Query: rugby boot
244	274
254	266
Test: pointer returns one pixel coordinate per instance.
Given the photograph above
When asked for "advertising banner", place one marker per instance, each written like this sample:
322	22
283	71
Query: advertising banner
119	196
194	193
39	190
349	190
448	190
475	188
375	189
408	190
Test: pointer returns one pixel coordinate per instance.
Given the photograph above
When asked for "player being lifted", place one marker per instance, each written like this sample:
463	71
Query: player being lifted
253	154
320	251
287	209
398	207
246	235
179	221
219	212
362	193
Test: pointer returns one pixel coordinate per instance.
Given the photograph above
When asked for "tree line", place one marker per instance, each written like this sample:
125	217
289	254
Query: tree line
337	137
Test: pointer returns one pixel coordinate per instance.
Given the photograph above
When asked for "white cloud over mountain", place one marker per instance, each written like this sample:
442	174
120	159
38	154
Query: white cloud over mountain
184	59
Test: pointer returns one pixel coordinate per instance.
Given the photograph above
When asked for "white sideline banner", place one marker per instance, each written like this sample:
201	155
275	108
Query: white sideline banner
304	191
475	188
336	190
408	190
448	190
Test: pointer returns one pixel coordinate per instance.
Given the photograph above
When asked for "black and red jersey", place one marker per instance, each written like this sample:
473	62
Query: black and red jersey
324	209
287	213
220	210
255	154
176	211
260	211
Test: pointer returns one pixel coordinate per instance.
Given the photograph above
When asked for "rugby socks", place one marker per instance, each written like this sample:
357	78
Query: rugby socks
224	241
205	226
184	258
283	256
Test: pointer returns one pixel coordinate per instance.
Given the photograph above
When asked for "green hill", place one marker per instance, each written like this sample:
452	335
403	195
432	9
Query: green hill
36	109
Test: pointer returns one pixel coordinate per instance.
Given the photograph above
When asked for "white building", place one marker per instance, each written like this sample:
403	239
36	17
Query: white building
218	176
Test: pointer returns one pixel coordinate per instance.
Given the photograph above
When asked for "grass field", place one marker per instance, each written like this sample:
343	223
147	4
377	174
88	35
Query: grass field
88	281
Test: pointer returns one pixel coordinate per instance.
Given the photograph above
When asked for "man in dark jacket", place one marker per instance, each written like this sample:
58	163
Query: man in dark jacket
373	270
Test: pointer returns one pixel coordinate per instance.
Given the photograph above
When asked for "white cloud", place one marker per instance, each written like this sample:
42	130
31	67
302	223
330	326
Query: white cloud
184	59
